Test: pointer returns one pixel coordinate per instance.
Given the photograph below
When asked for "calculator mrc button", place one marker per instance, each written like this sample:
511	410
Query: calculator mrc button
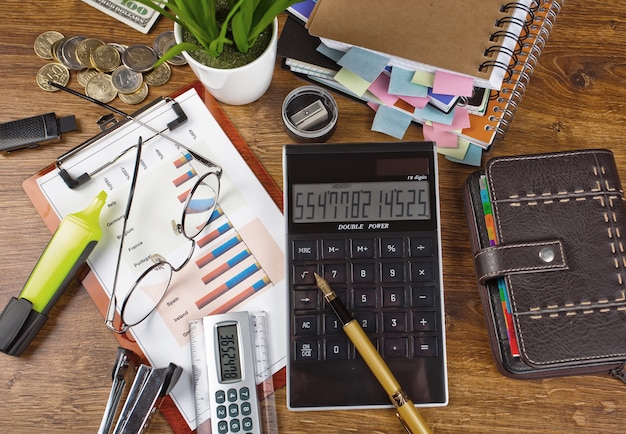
304	250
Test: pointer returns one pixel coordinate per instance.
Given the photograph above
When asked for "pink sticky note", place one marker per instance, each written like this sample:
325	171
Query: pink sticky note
460	120
443	139
380	88
415	101
453	84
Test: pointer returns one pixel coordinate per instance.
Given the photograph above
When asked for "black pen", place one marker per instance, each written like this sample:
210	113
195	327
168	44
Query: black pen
406	411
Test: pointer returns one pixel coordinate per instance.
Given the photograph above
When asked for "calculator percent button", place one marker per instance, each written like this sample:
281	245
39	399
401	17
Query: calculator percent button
391	248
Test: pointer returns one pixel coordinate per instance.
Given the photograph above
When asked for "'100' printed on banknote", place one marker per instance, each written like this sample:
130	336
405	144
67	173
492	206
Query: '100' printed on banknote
134	14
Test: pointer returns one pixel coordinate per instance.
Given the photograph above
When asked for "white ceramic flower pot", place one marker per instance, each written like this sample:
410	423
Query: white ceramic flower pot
241	85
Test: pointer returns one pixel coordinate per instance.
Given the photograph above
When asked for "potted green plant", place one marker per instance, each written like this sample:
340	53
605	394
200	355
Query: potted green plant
229	44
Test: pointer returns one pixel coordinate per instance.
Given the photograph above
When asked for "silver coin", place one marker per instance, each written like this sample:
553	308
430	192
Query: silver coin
101	88
177	60
69	56
125	80
54	72
43	43
139	58
163	41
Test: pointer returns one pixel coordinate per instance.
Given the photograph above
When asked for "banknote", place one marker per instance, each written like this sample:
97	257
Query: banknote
134	14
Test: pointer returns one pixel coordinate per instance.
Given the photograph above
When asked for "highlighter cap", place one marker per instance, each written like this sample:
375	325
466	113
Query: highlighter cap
19	324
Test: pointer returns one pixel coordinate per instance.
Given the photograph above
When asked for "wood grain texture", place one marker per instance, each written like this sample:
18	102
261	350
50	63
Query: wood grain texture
576	99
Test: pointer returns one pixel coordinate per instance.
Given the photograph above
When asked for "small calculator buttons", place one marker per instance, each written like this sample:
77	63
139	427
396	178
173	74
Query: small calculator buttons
387	282
234	410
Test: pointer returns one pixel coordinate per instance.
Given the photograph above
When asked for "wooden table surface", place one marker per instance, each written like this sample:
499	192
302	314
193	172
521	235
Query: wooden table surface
576	99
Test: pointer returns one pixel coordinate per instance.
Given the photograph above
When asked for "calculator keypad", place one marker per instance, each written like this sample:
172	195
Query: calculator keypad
234	410
389	284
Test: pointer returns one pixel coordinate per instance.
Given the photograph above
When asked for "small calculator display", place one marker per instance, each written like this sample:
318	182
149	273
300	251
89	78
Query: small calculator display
365	217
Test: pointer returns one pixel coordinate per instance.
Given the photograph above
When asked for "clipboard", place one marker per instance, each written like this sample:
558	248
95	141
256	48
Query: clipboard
91	283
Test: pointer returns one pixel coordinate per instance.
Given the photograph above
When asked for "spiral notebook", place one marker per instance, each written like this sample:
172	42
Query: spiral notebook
503	104
476	38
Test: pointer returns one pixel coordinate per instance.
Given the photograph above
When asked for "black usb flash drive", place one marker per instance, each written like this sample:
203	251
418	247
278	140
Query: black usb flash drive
30	132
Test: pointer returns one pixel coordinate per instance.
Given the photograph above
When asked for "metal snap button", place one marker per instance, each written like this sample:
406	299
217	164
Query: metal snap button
547	254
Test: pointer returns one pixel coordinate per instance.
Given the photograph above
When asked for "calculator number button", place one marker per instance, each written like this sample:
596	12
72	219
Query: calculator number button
364	297
367	321
363	272
394	322
392	272
336	349
334	273
393	297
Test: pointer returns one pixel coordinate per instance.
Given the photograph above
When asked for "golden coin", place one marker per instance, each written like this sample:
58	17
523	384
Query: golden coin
85	75
84	50
56	49
135	97
54	72
105	58
158	76
101	88
43	44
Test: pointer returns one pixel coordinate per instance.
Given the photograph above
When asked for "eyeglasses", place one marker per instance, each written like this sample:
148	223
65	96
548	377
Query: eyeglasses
150	287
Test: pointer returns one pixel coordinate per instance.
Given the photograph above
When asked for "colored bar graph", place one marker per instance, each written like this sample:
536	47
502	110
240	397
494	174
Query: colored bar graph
219	250
226	266
229	284
184	177
214	234
242	296
184	159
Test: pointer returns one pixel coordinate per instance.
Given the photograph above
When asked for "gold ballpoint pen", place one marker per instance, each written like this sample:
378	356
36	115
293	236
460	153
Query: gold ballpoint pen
406	411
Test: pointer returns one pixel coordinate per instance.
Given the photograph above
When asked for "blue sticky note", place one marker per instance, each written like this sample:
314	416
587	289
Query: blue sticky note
392	122
473	156
331	53
433	114
366	64
400	83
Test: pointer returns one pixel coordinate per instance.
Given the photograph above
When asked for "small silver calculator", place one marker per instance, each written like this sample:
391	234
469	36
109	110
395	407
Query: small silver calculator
231	373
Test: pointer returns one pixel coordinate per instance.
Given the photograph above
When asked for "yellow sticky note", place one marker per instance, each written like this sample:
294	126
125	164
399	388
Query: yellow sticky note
352	81
424	78
458	152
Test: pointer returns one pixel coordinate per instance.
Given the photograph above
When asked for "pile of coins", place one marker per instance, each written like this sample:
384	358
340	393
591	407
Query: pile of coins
106	70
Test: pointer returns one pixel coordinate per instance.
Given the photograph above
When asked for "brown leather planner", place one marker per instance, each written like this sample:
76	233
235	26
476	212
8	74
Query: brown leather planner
557	243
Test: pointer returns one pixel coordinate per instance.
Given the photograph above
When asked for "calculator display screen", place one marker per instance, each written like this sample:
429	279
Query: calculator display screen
228	349
361	201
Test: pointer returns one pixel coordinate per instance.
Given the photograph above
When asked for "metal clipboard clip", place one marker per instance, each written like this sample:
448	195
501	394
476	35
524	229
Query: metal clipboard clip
148	387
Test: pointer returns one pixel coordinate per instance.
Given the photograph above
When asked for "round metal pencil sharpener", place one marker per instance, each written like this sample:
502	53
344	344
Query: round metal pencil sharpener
309	114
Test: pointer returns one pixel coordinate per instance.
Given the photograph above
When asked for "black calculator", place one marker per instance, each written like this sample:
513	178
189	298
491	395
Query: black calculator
365	217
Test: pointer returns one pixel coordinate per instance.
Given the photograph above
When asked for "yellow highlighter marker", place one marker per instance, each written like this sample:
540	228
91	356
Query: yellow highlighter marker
406	411
68	249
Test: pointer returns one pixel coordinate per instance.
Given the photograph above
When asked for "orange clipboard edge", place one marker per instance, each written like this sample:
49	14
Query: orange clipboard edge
167	407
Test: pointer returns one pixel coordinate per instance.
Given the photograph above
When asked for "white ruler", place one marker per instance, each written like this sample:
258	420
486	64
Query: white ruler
263	374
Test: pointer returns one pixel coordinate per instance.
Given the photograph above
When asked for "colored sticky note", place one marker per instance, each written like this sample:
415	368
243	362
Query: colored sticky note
448	83
430	113
391	121
380	88
472	157
460	120
353	82
364	63
400	83
415	101
331	53
423	78
444	139
458	152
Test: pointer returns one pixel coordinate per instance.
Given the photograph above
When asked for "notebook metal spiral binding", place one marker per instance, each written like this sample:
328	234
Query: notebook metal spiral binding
532	40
